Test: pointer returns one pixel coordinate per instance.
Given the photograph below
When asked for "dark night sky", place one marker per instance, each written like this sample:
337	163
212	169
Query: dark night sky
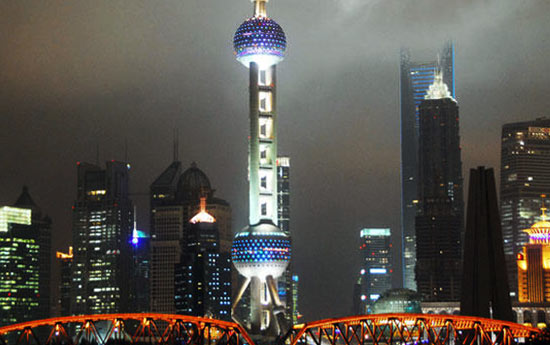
76	74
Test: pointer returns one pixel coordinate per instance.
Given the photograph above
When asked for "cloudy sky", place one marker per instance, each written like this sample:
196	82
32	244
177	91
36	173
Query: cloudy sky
75	75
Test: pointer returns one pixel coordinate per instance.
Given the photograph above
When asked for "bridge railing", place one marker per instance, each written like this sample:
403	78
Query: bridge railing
386	329
148	328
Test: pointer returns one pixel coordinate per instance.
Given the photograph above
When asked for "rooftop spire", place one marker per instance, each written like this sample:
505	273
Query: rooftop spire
438	90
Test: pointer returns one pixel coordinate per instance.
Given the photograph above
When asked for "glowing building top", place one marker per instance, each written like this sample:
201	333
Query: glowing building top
259	39
65	256
539	233
438	89
533	263
202	216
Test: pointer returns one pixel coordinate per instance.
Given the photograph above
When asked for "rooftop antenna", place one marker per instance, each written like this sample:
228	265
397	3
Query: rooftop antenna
135	235
126	150
97	154
176	144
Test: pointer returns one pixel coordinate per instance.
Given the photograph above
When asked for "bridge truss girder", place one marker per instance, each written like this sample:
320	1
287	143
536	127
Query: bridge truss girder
387	329
158	329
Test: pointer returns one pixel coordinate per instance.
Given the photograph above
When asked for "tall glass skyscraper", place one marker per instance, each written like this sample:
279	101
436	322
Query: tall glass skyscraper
203	275
440	216
524	176
415	79
376	265
25	257
102	229
286	282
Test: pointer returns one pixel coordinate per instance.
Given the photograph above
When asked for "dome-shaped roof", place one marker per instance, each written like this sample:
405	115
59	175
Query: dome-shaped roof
260	40
193	183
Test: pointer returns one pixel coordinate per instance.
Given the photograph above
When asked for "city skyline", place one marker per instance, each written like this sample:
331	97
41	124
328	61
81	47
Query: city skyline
354	100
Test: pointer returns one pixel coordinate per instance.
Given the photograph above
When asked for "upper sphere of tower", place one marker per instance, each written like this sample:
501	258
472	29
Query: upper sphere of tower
260	40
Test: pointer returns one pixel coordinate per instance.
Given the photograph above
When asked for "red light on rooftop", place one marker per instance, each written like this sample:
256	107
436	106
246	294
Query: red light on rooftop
520	256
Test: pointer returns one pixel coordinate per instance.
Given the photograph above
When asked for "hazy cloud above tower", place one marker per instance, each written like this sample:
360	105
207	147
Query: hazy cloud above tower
76	74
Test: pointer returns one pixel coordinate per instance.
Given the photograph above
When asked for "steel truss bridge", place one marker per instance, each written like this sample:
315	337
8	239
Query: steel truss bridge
160	329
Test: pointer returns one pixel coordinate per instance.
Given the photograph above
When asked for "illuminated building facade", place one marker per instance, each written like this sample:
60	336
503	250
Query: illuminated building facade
261	251
376	266
286	284
534	264
524	176
102	227
203	275
439	221
415	79
65	261
398	301
141	247
25	262
174	197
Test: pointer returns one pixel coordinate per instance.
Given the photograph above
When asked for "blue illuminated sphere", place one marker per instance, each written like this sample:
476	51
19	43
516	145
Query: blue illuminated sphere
261	250
260	40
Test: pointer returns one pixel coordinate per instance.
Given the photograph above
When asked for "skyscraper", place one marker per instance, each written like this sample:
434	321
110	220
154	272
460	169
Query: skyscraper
440	217
174	200
415	79
376	265
261	251
25	258
524	176
102	228
286	282
141	250
203	275
65	270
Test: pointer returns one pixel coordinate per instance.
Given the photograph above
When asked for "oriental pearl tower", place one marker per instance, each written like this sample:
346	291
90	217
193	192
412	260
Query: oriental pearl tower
261	251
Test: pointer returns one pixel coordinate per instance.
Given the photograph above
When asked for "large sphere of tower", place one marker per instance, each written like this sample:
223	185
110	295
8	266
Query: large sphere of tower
261	250
260	40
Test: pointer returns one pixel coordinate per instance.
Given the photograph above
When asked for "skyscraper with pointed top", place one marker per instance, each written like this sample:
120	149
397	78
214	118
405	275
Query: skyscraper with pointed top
440	216
415	79
25	261
261	251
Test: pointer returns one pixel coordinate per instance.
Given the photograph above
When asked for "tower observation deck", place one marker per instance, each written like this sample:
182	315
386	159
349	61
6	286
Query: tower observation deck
261	251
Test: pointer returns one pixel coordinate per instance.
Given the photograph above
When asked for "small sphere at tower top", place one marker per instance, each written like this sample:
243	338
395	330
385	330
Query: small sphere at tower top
260	40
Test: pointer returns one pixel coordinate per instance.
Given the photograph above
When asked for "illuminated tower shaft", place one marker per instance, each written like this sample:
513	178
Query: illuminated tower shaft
261	251
262	145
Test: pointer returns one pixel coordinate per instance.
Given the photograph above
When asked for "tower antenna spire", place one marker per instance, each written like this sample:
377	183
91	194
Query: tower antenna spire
126	150
259	8
176	145
97	154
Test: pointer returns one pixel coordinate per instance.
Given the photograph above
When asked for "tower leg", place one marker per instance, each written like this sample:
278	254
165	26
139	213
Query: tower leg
237	300
256	307
278	308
